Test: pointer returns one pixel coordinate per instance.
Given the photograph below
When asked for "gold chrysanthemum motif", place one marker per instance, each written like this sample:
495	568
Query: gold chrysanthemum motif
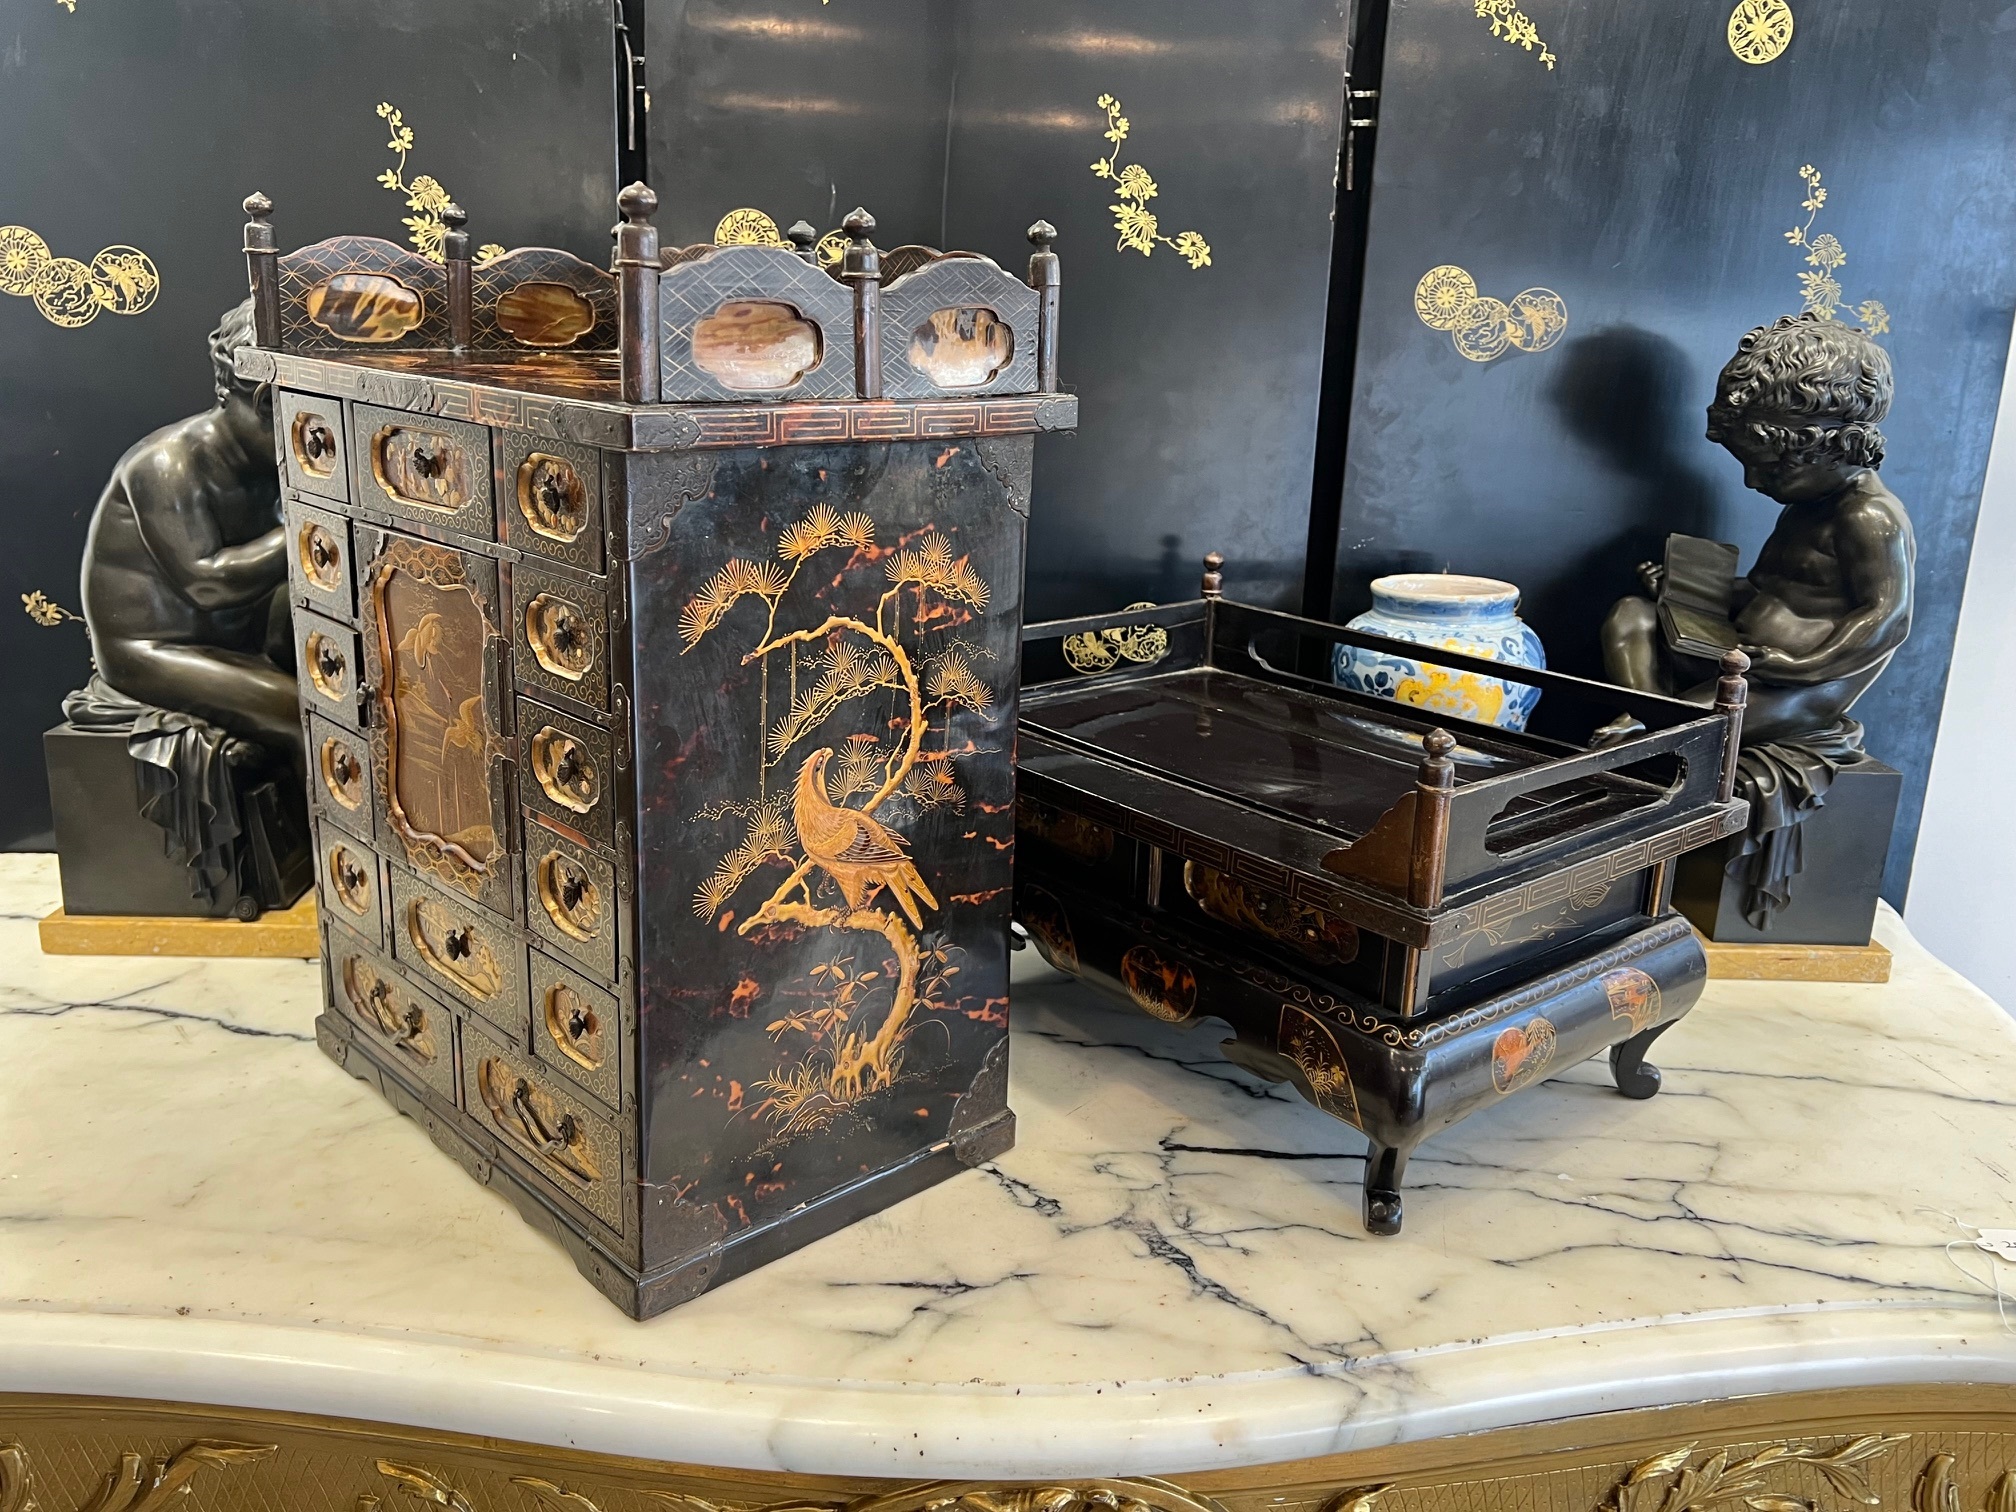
1139	228
1820	291
1443	296
1760	30
22	254
747	228
1481	328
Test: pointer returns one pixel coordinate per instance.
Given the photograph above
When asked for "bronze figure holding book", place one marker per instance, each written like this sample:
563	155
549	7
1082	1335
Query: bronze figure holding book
1824	608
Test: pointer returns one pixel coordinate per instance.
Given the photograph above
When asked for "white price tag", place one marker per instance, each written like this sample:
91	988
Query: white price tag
1998	1241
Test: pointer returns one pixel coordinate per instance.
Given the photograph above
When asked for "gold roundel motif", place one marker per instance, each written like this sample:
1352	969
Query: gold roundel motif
126	279
22	255
831	248
747	228
1537	317
66	293
1443	296
1485	331
1760	30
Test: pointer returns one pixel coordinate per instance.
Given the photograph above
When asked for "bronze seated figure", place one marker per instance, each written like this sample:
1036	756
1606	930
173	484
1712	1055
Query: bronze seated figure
1829	599
186	600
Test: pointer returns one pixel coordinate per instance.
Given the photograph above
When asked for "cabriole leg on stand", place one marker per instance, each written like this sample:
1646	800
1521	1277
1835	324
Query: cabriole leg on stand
1627	1063
1385	1166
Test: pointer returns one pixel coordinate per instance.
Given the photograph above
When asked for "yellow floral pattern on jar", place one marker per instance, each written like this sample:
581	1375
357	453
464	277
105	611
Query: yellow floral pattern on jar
1464	695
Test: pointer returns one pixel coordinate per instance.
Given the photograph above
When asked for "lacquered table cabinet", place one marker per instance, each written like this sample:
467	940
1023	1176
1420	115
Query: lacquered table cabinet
659	676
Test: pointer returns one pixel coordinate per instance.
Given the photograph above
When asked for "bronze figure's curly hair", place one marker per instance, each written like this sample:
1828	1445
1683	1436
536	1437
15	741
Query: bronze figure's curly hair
233	331
1809	386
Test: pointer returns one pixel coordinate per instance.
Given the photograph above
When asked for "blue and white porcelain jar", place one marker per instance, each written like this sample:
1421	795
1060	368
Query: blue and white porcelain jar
1475	615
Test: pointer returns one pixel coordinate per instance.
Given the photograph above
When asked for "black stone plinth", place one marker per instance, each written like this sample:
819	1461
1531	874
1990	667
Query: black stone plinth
1833	896
114	861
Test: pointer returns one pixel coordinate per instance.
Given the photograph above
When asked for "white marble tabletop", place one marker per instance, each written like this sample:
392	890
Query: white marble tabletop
1166	1274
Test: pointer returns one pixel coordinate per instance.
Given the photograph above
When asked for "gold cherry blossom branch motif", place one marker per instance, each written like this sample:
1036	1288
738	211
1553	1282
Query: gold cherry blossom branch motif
1824	257
70	293
1138	226
45	611
424	195
1514	26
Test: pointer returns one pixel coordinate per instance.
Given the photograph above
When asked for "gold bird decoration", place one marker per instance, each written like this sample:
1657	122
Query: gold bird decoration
856	850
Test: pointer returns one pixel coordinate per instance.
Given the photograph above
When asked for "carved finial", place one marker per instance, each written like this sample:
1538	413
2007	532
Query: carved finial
638	202
453	216
258	206
859	225
1214	574
1042	234
1732	690
804	237
1437	770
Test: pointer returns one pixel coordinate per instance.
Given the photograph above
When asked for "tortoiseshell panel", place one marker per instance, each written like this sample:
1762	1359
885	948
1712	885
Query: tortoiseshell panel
353	293
541	299
693	300
959	325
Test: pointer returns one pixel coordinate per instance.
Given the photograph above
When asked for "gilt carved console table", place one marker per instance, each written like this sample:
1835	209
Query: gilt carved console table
1736	1299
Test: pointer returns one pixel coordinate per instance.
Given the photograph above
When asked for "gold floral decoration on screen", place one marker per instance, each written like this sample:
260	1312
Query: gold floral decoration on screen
46	611
1140	230
424	195
747	228
1482	328
1760	30
70	293
1825	257
1514	26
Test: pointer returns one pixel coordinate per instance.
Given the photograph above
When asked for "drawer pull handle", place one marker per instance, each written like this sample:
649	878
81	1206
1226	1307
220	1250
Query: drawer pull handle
429	462
575	1026
558	1141
316	441
328	667
565	771
458	942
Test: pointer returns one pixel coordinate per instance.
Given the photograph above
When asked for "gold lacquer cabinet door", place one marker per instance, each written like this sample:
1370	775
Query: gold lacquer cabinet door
433	655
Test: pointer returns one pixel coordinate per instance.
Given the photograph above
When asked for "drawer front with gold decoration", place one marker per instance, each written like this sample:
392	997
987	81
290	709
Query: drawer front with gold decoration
319	561
550	498
564	770
578	1029
570	899
411	1032
313	453
424	468
329	667
560	636
350	881
460	950
439	762
538	1117
339	777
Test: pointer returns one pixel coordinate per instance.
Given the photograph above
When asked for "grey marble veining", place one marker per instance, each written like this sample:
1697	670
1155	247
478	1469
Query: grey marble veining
1168	1272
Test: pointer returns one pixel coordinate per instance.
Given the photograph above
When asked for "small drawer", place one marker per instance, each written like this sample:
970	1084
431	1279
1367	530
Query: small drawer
570	899
330	666
560	636
457	948
339	778
423	468
350	881
549	496
313	453
564	770
411	1031
577	1029
539	1118
320	561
